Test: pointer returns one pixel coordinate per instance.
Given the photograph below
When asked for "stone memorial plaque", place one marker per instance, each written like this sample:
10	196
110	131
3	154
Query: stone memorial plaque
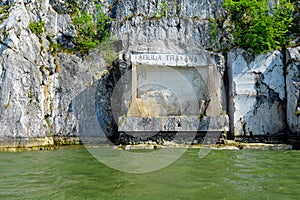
165	86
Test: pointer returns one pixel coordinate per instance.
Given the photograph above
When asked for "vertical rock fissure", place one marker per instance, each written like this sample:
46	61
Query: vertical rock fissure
285	65
230	95
230	135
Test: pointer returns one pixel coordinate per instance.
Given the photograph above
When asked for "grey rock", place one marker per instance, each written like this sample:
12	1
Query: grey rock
187	22
108	111
293	89
6	2
38	88
173	123
59	6
43	94
257	93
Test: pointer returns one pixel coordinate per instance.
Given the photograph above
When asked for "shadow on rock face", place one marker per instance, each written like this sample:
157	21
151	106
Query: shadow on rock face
93	108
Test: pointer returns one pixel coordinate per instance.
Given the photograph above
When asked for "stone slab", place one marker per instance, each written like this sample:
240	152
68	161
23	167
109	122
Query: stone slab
173	123
199	59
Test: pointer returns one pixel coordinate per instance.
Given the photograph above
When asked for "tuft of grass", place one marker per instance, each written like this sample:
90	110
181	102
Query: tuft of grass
4	9
37	27
4	13
223	112
163	10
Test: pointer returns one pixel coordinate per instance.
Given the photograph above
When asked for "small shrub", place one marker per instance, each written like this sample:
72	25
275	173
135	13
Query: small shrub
178	7
52	46
214	31
4	13
295	29
37	27
163	9
4	9
31	96
91	30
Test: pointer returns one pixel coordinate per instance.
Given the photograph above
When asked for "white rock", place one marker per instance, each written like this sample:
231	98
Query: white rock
293	89
256	93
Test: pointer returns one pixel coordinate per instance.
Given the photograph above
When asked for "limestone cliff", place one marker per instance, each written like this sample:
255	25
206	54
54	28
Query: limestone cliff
38	84
41	90
259	88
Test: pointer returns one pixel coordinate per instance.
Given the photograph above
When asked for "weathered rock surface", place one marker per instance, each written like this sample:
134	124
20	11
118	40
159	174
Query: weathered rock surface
293	89
107	111
42	90
191	22
257	93
45	93
174	123
37	85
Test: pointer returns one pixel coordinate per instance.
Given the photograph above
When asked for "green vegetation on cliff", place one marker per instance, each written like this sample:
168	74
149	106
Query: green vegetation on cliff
91	29
4	12
256	26
295	29
37	27
163	10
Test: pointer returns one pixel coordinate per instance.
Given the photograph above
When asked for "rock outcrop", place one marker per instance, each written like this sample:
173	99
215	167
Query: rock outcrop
45	92
148	23
38	84
257	93
293	89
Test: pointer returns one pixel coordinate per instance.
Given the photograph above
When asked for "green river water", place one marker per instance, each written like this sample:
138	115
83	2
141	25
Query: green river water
73	173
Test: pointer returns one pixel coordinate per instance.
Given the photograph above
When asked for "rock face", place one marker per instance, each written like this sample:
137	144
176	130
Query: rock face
293	89
38	85
257	93
107	110
47	93
191	22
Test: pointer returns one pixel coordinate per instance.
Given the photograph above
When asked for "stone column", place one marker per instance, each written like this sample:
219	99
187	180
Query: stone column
214	85
134	84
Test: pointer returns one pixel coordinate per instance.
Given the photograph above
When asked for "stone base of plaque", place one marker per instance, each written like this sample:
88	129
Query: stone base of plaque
173	123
